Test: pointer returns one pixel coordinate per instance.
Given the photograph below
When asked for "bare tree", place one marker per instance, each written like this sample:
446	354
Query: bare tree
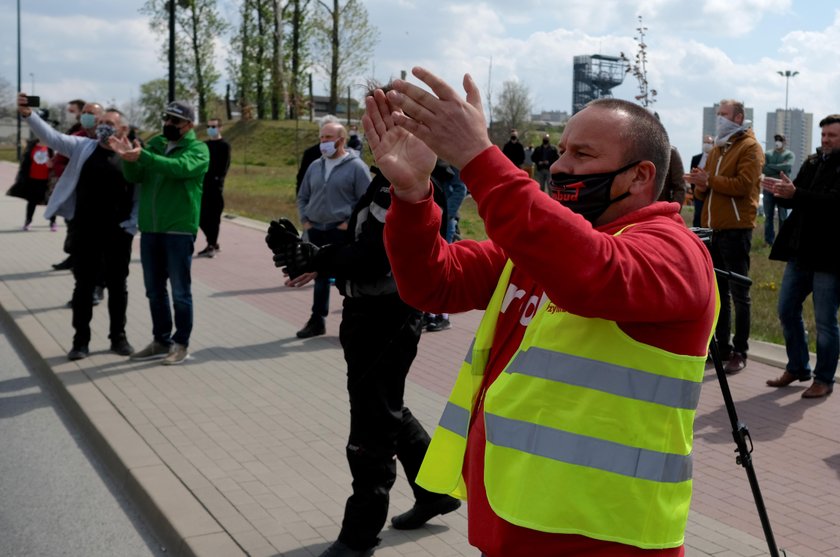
638	68
343	43
513	106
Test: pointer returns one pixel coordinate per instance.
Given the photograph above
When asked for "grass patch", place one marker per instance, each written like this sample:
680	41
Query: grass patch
8	154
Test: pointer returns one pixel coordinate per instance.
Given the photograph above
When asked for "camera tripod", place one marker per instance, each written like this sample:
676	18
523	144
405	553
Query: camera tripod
740	432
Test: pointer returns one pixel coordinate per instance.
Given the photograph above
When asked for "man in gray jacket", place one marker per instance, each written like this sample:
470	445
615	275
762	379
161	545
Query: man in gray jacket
330	189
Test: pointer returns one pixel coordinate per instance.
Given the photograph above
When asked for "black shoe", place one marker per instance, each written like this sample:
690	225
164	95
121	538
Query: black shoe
340	549
313	328
421	514
78	353
64	265
121	346
209	251
438	324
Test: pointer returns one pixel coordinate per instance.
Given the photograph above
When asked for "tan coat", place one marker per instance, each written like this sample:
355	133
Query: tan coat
734	169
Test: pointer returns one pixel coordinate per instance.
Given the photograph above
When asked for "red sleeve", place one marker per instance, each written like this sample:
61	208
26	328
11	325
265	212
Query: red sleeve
656	271
432	275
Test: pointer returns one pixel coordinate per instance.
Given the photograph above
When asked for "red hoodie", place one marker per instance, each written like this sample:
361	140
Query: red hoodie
655	280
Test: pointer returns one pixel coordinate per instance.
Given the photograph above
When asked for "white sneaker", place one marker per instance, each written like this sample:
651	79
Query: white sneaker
177	355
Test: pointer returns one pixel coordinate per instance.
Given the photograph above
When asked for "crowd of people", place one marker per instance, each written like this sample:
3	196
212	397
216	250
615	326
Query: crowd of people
582	381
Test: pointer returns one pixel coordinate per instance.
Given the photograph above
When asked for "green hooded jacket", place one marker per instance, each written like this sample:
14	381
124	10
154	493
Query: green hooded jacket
170	184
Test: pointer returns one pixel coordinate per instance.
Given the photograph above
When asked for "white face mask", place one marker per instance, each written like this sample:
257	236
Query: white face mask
707	147
328	148
779	145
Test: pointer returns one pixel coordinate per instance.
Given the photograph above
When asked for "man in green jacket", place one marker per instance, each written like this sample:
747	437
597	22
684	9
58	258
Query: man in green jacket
170	171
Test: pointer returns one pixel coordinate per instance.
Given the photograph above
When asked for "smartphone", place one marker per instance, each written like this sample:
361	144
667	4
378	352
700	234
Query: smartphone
33	101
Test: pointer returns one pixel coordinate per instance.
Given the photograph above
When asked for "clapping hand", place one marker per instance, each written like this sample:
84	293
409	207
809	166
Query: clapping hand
403	158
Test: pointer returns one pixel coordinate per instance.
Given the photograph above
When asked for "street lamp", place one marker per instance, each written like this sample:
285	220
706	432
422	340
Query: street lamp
787	74
32	77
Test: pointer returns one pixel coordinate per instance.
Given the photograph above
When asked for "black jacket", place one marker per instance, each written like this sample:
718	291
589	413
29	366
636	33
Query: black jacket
360	264
809	234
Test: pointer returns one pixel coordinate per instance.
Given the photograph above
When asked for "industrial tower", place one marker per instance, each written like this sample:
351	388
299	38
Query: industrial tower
595	75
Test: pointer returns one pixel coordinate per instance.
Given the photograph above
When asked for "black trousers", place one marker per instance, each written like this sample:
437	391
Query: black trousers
212	206
379	336
106	251
730	251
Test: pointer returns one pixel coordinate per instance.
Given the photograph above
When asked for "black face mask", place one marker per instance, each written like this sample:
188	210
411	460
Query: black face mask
171	132
587	194
513	138
545	142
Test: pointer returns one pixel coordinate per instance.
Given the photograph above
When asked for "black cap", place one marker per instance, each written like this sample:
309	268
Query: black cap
180	110
779	137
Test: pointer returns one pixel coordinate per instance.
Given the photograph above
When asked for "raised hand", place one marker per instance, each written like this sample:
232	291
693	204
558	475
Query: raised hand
123	147
453	127
405	160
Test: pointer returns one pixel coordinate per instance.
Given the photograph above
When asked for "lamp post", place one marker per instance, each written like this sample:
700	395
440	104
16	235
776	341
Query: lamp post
32	78
18	77
787	74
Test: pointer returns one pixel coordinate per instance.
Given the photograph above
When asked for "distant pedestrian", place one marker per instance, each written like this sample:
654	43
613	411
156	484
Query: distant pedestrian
514	150
776	161
212	194
170	171
543	157
330	189
32	180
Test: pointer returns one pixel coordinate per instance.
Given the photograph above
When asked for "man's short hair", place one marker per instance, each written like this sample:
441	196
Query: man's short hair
118	112
78	103
830	119
736	104
643	138
779	137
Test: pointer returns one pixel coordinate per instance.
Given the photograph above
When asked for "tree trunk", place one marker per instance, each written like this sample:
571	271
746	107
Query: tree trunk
297	22
199	77
277	78
334	62
260	77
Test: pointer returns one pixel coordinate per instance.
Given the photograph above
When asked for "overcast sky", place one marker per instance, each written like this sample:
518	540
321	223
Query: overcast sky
699	51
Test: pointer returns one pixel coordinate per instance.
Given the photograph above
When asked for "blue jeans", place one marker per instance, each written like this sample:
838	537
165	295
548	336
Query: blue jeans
321	294
770	216
797	283
456	191
730	251
168	257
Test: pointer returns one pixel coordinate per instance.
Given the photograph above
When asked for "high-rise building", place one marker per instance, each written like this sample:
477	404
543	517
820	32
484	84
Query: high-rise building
710	119
799	128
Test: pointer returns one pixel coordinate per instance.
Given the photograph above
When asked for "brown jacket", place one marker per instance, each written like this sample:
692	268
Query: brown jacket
734	170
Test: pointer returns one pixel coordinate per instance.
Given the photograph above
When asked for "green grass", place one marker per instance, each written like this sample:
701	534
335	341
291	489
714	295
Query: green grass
8	154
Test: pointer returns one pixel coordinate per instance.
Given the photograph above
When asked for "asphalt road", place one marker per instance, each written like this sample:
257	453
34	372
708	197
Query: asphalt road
55	497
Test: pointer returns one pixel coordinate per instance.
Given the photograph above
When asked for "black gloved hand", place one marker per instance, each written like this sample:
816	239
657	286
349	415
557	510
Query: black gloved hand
281	233
296	258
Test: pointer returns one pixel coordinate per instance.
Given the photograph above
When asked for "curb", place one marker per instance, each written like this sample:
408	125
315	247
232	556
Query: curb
180	522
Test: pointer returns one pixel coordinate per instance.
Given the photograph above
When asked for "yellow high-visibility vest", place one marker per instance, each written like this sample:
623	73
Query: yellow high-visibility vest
588	431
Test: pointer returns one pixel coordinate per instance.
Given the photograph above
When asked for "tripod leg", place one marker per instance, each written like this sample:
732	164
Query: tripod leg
741	434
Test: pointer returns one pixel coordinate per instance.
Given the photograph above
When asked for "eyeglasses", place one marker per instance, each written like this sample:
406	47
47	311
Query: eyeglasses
174	119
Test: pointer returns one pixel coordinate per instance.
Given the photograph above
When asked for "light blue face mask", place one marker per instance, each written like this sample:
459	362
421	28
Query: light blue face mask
213	132
88	121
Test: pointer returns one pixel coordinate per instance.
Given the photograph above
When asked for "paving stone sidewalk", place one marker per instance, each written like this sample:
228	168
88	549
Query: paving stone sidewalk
240	451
